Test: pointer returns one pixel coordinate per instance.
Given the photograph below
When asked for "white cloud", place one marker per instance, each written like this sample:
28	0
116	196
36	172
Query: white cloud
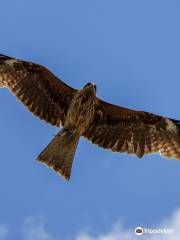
34	229
116	233
119	233
3	231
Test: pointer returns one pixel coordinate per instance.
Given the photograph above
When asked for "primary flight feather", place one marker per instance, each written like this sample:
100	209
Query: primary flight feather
81	113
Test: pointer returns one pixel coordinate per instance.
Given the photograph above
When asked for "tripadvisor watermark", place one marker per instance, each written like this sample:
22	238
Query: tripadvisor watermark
139	231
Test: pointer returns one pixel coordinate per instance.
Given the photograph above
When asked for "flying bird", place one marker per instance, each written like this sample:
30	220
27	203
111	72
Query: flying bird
81	113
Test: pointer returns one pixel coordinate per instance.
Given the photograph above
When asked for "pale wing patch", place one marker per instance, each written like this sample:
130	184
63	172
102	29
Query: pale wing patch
171	127
11	62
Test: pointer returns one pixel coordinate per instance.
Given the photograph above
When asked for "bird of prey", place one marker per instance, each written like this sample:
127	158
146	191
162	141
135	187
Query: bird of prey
81	113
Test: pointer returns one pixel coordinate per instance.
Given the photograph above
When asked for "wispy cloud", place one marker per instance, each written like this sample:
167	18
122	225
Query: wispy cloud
116	233
119	233
3	231
34	229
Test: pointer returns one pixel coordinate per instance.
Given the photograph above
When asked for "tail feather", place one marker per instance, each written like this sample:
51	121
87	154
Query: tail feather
59	154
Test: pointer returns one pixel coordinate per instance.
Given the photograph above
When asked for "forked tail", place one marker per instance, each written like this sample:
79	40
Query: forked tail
59	154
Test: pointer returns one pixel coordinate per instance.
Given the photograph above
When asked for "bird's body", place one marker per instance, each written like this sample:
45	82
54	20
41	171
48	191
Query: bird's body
60	152
81	113
81	110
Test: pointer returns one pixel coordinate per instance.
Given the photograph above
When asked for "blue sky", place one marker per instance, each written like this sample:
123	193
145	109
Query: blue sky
131	50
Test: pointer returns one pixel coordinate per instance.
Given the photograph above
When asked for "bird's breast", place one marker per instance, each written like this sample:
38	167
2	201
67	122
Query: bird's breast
80	114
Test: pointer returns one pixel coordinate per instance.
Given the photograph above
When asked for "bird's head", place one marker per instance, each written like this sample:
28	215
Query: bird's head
90	86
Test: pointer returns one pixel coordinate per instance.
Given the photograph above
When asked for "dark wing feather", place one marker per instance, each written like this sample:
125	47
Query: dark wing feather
37	88
134	132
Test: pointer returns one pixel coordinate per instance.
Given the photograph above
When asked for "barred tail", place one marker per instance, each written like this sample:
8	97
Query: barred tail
59	154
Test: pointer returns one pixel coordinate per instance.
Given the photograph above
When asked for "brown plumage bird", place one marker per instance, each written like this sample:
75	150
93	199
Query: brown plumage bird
81	113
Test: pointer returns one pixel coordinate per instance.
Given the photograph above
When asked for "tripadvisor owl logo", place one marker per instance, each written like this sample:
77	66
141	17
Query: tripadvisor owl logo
139	231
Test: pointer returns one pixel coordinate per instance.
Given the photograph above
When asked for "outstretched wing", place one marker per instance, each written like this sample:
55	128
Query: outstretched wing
134	132
37	88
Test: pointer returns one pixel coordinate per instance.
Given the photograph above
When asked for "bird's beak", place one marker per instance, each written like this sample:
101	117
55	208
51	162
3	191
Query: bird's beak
94	86
91	86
